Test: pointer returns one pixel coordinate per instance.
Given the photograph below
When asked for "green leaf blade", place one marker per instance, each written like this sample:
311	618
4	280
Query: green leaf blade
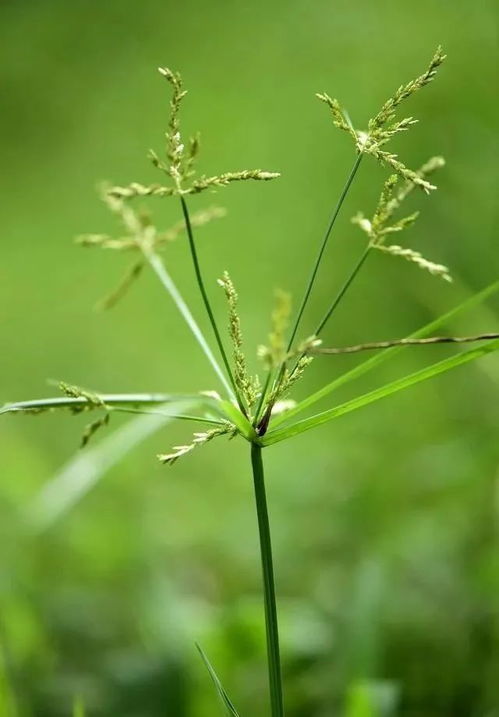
371	363
388	389
224	697
117	399
235	416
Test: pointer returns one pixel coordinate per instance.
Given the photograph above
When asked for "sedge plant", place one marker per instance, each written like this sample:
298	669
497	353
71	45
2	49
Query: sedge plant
260	409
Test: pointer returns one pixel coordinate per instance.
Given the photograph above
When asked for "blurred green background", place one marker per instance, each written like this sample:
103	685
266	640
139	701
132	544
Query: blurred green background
385	523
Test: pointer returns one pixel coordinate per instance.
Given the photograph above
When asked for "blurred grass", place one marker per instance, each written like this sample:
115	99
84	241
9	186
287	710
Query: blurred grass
385	522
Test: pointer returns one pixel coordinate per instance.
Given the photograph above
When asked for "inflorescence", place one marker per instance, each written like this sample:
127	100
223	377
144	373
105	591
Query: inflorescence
284	360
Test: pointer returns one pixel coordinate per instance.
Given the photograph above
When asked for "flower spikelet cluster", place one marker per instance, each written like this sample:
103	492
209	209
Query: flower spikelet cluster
380	226
248	386
180	161
91	402
383	126
227	429
140	236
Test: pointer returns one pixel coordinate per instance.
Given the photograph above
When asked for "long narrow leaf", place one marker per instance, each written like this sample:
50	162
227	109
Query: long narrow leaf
83	471
231	710
168	413
387	390
160	269
115	399
379	358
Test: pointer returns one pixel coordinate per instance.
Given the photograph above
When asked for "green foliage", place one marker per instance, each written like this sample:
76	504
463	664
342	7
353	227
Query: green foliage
386	390
99	604
381	357
224	697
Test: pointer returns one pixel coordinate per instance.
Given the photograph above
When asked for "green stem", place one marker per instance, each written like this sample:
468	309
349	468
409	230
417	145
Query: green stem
273	658
263	396
343	290
206	301
338	298
322	249
263	424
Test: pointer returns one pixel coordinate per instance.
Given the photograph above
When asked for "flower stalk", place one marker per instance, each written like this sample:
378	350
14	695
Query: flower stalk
206	301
